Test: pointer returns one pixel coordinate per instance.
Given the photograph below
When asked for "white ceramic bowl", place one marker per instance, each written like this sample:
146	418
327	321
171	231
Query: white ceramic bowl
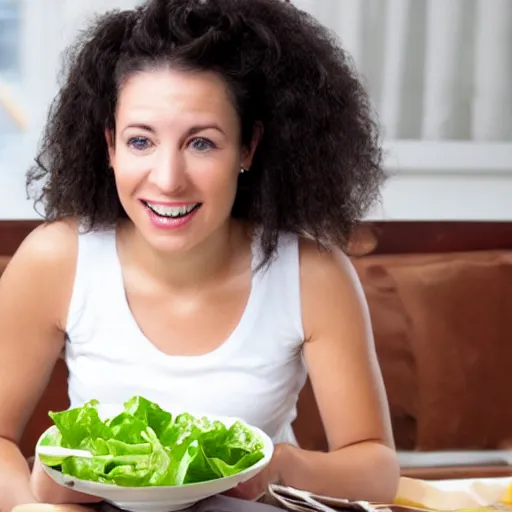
162	499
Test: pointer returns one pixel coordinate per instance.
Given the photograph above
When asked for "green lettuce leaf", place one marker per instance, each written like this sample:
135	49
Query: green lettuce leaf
149	413
145	446
127	428
80	425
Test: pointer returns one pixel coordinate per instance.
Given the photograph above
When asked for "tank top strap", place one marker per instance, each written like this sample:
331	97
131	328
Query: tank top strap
283	299
93	267
289	252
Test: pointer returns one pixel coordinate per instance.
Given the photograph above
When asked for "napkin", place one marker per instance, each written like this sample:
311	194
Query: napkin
304	501
451	495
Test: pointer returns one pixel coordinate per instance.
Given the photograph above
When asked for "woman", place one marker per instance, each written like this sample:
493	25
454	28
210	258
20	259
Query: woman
203	166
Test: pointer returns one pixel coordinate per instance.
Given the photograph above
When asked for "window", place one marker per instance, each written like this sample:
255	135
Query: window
10	69
9	38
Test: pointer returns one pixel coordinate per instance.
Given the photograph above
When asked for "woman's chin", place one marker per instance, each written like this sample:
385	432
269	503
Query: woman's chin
172	243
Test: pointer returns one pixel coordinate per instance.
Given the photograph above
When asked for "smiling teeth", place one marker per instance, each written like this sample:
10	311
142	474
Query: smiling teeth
171	211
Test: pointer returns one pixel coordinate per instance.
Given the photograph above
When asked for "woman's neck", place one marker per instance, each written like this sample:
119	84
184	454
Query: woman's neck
206	262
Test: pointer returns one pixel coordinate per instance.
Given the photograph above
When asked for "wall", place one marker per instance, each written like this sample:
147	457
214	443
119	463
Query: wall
439	74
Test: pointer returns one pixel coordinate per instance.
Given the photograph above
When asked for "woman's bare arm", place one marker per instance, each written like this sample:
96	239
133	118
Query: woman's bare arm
35	290
348	386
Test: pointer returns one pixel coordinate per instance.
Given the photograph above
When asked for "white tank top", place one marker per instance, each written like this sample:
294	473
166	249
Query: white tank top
256	374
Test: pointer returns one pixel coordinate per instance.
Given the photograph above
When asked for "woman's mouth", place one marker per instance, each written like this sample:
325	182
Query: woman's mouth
166	216
172	212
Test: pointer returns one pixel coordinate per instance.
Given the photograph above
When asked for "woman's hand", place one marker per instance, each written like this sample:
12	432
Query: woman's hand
257	486
45	490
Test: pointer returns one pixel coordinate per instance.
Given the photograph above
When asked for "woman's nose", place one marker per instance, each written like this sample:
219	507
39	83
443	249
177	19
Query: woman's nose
169	174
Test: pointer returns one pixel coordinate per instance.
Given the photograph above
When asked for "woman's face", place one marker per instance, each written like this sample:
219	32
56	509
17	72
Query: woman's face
176	156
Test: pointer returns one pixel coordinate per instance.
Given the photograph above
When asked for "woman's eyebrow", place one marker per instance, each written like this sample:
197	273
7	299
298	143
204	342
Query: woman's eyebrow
200	127
141	126
193	130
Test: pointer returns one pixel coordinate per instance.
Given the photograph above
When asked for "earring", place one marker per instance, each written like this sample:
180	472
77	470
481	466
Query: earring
242	170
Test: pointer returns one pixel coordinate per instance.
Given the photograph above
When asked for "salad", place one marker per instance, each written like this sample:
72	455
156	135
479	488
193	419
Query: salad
145	445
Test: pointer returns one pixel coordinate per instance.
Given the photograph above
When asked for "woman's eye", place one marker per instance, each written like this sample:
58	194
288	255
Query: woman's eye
201	144
139	143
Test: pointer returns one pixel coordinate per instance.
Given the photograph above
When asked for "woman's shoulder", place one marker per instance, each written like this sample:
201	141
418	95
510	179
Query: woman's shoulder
50	243
318	264
323	263
47	255
40	275
328	279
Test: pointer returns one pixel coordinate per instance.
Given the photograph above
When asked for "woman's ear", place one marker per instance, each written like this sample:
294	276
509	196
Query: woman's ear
248	154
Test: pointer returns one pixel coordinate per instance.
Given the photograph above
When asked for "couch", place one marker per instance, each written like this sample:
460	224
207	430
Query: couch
440	297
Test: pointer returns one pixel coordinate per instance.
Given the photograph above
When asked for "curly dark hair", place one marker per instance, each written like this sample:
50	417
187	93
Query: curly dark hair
317	169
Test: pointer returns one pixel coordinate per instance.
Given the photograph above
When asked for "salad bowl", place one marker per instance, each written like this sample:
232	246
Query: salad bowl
146	459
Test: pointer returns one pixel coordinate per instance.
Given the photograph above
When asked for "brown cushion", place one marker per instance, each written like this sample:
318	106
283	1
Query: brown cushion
460	308
308	426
